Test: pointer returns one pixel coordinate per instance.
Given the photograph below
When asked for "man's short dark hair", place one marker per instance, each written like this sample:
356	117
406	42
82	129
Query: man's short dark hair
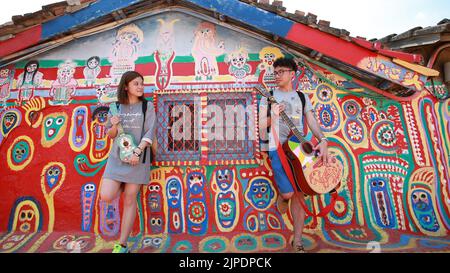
285	62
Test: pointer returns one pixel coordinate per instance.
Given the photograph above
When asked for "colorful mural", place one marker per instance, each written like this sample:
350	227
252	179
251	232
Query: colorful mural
211	194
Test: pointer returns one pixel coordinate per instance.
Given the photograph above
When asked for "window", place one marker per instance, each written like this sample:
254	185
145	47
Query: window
206	128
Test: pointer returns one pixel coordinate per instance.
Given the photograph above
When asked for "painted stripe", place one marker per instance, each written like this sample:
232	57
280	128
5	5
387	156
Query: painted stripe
21	41
248	14
328	44
82	17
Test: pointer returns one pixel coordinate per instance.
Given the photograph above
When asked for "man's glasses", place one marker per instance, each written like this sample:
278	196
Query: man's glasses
280	72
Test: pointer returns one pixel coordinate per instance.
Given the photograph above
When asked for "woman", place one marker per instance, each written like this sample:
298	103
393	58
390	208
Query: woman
129	175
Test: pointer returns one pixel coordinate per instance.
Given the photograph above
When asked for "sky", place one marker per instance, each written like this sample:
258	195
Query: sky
365	18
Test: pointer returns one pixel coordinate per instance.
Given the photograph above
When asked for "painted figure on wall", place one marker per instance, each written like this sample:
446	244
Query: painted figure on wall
205	50
92	70
28	81
106	94
64	87
239	68
6	77
165	53
125	51
265	70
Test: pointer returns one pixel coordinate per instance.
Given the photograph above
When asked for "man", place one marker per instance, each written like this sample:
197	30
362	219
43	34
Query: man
290	102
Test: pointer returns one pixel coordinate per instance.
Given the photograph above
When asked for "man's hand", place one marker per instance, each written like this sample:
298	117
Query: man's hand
322	147
278	108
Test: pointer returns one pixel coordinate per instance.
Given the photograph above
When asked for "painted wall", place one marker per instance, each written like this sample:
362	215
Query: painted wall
54	147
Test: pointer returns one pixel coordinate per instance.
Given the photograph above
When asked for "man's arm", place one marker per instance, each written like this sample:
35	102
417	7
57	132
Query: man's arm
313	124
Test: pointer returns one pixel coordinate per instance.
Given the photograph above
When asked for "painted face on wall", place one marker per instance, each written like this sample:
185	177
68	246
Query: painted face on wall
173	191
174	202
31	68
26	216
53	175
269	58
9	122
156	224
196	183
154	198
226	208
224	179
4	73
53	125
21	151
26	219
92	63
152	242
129	37
381	202
65	73
423	209
259	193
53	129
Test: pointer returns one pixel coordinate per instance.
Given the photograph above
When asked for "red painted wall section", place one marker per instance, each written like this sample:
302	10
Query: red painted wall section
21	41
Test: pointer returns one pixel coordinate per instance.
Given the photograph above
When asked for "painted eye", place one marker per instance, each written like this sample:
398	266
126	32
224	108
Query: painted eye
48	122
423	197
157	241
50	172
147	242
263	189
255	190
414	196
30	215
157	188
56	172
59	121
23	215
381	183
374	183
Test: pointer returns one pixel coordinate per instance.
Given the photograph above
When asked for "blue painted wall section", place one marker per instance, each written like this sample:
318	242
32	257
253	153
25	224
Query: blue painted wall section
248	14
84	16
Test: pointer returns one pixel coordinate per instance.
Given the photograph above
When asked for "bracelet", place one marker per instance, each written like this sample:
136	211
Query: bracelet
324	138
136	154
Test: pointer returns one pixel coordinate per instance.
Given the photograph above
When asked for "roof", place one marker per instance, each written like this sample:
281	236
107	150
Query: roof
299	31
418	36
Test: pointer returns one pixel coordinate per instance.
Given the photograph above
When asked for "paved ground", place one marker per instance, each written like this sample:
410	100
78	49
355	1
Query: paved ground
335	241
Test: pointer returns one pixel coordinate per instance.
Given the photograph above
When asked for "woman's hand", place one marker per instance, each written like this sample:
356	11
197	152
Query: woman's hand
115	120
134	160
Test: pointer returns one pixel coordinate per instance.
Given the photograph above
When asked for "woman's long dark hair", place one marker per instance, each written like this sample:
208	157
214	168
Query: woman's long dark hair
122	93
